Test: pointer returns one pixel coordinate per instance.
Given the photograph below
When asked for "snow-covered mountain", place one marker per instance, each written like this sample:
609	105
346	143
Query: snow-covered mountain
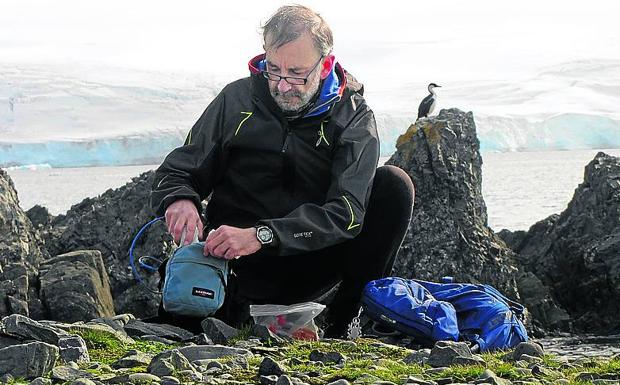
109	116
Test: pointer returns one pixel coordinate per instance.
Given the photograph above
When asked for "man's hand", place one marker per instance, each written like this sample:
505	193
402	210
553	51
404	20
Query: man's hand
183	214
231	242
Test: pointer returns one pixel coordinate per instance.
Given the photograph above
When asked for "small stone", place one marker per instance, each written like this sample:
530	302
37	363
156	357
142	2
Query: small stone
143	378
268	367
268	380
218	331
284	380
67	373
265	335
200	339
444	353
419	357
168	362
419	381
132	359
83	381
530	348
488	376
341	381
169	380
474	360
73	349
326	358
6	378
41	381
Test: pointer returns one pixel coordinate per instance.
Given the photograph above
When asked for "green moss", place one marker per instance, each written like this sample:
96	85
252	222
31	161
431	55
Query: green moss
105	348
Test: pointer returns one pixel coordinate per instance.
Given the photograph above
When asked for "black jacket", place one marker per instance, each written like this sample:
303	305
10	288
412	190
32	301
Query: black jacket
308	179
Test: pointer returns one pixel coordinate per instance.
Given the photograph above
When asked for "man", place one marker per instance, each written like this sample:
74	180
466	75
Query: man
288	157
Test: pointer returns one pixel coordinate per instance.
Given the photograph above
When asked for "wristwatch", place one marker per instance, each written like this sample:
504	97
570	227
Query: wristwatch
264	235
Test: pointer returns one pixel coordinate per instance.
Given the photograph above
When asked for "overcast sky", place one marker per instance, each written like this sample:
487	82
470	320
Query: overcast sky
443	39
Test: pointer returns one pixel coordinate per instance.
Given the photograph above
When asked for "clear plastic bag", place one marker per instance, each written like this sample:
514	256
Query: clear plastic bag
295	321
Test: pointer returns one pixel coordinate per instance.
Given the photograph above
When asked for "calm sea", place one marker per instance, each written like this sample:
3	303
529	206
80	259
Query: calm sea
519	188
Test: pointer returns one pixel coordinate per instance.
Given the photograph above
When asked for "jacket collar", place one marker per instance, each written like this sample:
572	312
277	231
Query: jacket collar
330	92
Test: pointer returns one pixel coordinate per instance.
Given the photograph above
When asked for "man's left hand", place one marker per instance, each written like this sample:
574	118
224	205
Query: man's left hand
231	242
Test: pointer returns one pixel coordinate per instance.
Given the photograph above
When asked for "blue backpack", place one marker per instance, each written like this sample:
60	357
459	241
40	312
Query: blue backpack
406	306
432	312
485	316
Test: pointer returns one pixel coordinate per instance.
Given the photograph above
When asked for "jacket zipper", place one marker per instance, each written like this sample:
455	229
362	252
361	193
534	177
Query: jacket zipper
286	137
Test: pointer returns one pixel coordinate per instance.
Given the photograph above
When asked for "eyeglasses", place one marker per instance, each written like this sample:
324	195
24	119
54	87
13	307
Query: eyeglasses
291	79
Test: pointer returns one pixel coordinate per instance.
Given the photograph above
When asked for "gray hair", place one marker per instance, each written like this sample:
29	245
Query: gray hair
292	21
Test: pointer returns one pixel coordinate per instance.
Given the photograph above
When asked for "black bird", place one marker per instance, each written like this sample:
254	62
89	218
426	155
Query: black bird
428	103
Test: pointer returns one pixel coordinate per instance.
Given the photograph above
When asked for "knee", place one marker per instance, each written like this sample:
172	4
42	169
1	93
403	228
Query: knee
395	183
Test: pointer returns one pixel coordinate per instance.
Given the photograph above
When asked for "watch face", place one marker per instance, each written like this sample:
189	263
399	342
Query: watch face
264	235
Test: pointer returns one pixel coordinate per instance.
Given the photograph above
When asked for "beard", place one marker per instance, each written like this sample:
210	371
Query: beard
294	101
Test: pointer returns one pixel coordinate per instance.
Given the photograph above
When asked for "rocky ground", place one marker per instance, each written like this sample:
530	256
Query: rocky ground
56	272
123	350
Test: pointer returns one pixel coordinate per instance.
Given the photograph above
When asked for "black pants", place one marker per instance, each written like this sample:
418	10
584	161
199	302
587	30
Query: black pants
260	279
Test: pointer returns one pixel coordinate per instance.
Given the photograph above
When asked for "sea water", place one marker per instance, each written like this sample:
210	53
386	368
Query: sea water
519	188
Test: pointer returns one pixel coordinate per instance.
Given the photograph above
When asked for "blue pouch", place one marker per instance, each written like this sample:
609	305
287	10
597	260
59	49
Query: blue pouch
194	284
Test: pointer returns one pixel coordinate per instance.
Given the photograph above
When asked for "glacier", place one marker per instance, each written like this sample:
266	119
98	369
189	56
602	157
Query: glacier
54	117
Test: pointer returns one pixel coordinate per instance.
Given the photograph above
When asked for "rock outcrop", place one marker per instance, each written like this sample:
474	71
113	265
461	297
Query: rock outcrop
577	253
21	253
108	223
448	235
75	287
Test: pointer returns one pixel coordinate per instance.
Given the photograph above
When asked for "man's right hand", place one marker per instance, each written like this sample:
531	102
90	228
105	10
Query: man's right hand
183	214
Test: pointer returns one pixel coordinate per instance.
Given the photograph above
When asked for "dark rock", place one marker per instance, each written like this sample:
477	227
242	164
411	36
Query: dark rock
539	301
42	381
218	331
448	234
268	380
513	239
19	250
8	341
284	380
18	306
444	353
263	333
75	287
135	328
169	362
39	216
327	358
577	253
200	339
108	223
26	329
132	359
73	349
34	359
269	366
